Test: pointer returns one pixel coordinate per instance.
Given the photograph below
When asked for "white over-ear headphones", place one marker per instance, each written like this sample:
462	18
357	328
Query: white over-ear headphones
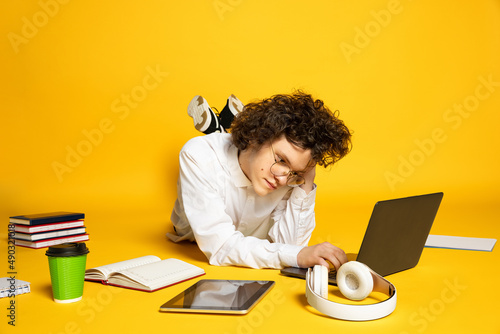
356	281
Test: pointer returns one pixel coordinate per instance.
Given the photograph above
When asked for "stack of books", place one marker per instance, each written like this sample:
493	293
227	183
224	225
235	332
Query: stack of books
48	229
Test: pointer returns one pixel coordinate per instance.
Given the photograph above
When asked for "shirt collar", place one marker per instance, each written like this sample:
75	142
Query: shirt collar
238	177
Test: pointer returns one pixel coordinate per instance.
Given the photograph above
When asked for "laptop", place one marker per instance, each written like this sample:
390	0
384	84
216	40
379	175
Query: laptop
395	236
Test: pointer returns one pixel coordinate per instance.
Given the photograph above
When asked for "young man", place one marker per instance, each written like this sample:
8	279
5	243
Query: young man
247	197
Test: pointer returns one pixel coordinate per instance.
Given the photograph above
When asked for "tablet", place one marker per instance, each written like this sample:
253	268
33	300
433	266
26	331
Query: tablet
219	296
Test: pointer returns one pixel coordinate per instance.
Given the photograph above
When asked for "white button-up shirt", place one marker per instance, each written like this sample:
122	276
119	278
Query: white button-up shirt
218	208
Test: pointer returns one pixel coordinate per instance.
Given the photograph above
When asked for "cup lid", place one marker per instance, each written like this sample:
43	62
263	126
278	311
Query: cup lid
67	249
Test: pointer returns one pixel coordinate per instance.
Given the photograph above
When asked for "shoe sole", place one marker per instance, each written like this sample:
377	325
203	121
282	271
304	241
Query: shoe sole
199	110
235	105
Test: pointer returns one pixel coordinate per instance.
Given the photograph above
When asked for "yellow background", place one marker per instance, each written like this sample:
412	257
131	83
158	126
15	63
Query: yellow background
110	81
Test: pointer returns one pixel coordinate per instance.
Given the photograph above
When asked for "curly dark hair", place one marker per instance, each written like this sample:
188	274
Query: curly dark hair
305	122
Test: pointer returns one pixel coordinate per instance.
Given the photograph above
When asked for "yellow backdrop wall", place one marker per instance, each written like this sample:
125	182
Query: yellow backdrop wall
93	98
93	95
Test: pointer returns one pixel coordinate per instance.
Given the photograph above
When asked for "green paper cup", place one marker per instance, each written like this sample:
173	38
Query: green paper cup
67	271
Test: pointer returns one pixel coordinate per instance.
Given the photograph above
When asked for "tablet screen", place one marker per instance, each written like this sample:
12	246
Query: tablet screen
219	296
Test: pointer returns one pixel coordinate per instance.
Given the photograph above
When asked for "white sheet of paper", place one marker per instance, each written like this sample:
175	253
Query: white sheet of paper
466	243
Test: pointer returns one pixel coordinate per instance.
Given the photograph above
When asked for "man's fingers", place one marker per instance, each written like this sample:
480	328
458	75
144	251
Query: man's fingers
336	263
321	254
323	262
334	254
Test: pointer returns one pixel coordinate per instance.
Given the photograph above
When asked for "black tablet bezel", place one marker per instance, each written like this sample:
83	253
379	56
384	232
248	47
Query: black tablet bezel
170	306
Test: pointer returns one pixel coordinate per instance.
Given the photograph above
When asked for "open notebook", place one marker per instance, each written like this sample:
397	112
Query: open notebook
146	273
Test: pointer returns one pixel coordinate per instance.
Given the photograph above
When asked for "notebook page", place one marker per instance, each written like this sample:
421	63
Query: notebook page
108	269
163	273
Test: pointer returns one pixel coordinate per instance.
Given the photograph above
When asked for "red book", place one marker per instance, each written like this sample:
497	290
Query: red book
49	234
51	242
48	227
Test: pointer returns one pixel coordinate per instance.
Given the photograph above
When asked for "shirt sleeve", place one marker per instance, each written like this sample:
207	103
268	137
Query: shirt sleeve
294	218
214	231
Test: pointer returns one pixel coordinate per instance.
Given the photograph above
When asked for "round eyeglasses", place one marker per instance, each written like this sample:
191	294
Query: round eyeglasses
280	169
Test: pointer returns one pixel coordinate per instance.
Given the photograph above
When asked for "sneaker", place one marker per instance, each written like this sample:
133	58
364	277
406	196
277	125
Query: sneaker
235	105
232	108
205	120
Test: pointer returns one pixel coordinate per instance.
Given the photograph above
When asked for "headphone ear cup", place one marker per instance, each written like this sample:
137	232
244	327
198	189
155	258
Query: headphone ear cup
355	280
320	279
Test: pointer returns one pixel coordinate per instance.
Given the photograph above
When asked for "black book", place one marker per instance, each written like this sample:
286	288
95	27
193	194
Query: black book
45	218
